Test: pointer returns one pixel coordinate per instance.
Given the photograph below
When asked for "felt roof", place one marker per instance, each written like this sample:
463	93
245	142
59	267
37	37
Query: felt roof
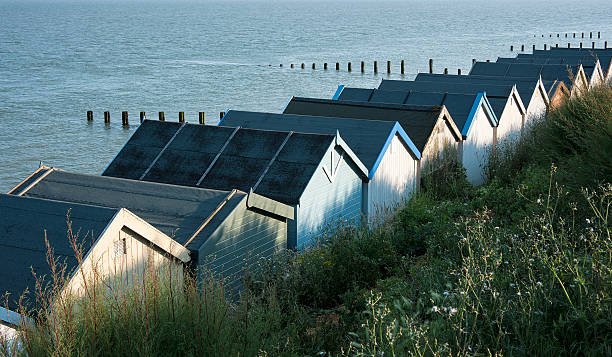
524	86
367	145
276	164
417	121
25	222
497	95
459	105
177	211
546	71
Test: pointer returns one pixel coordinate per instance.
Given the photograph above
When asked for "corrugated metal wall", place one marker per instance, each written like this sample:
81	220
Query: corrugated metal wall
394	180
324	202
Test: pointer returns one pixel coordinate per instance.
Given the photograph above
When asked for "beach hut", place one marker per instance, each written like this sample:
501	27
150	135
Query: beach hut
318	175
431	128
472	114
532	91
557	92
221	229
570	56
573	76
385	149
504	99
111	240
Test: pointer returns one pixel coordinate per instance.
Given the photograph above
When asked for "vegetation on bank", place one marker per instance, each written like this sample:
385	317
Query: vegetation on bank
520	266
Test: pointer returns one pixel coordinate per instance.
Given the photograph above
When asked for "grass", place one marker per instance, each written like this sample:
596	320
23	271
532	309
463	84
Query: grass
520	266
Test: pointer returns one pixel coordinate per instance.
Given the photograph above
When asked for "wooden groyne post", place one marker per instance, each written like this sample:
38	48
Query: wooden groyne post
89	115
181	117
337	66
106	117
143	116
388	66
124	118
430	65
375	66
349	67
201	118
362	67
402	65
162	116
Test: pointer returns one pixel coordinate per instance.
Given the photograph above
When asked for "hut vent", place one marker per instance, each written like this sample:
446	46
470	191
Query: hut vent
120	248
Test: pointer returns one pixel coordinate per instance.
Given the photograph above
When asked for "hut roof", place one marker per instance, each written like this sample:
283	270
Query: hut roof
497	95
545	71
369	145
460	106
524	86
274	164
25	224
417	120
177	211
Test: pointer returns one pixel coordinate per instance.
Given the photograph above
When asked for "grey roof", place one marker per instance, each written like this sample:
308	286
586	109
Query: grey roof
524	86
225	158
551	57
25	222
418	121
177	211
496	94
546	71
459	105
367	144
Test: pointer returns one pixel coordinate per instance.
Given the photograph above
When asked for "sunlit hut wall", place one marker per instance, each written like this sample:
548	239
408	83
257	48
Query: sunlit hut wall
431	128
504	100
384	148
471	113
531	90
112	240
221	229
318	176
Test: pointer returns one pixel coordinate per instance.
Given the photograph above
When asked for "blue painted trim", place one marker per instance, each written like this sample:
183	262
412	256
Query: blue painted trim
397	129
287	104
224	114
338	91
489	110
12	317
468	123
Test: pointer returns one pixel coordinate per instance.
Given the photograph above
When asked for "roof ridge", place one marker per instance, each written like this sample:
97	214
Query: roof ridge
212	163
265	170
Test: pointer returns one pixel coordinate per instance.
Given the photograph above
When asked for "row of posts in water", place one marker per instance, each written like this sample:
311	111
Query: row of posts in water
569	45
143	116
349	66
566	35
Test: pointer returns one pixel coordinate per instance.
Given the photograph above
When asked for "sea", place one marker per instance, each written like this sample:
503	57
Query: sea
59	59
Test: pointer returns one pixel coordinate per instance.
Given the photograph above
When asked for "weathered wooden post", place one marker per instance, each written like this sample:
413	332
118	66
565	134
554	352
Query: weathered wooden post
598	34
511	48
325	66
533	47
106	117
337	66
221	115
402	66
430	65
565	35
605	44
161	116
569	45
201	118
522	48
181	117
349	67
388	66
313	66
593	45
375	66
591	35
89	115
473	61
445	70
488	60
556	45
280	65
583	35
557	35
143	116
580	44
362	67
124	118
574	35
292	65
544	47
303	66
459	71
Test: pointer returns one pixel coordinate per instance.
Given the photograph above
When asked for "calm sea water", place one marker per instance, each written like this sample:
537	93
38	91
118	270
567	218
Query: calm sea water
60	59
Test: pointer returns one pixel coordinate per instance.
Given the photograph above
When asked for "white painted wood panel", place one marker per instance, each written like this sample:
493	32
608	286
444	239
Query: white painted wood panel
477	146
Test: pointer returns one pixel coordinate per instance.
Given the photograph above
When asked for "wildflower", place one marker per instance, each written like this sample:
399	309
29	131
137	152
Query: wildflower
539	201
588	221
539	283
518	293
512	285
435	309
446	293
453	311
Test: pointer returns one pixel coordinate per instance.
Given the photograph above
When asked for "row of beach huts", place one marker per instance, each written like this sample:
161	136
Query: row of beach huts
219	196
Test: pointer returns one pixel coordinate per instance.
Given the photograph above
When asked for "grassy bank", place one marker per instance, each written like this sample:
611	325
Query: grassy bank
520	266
